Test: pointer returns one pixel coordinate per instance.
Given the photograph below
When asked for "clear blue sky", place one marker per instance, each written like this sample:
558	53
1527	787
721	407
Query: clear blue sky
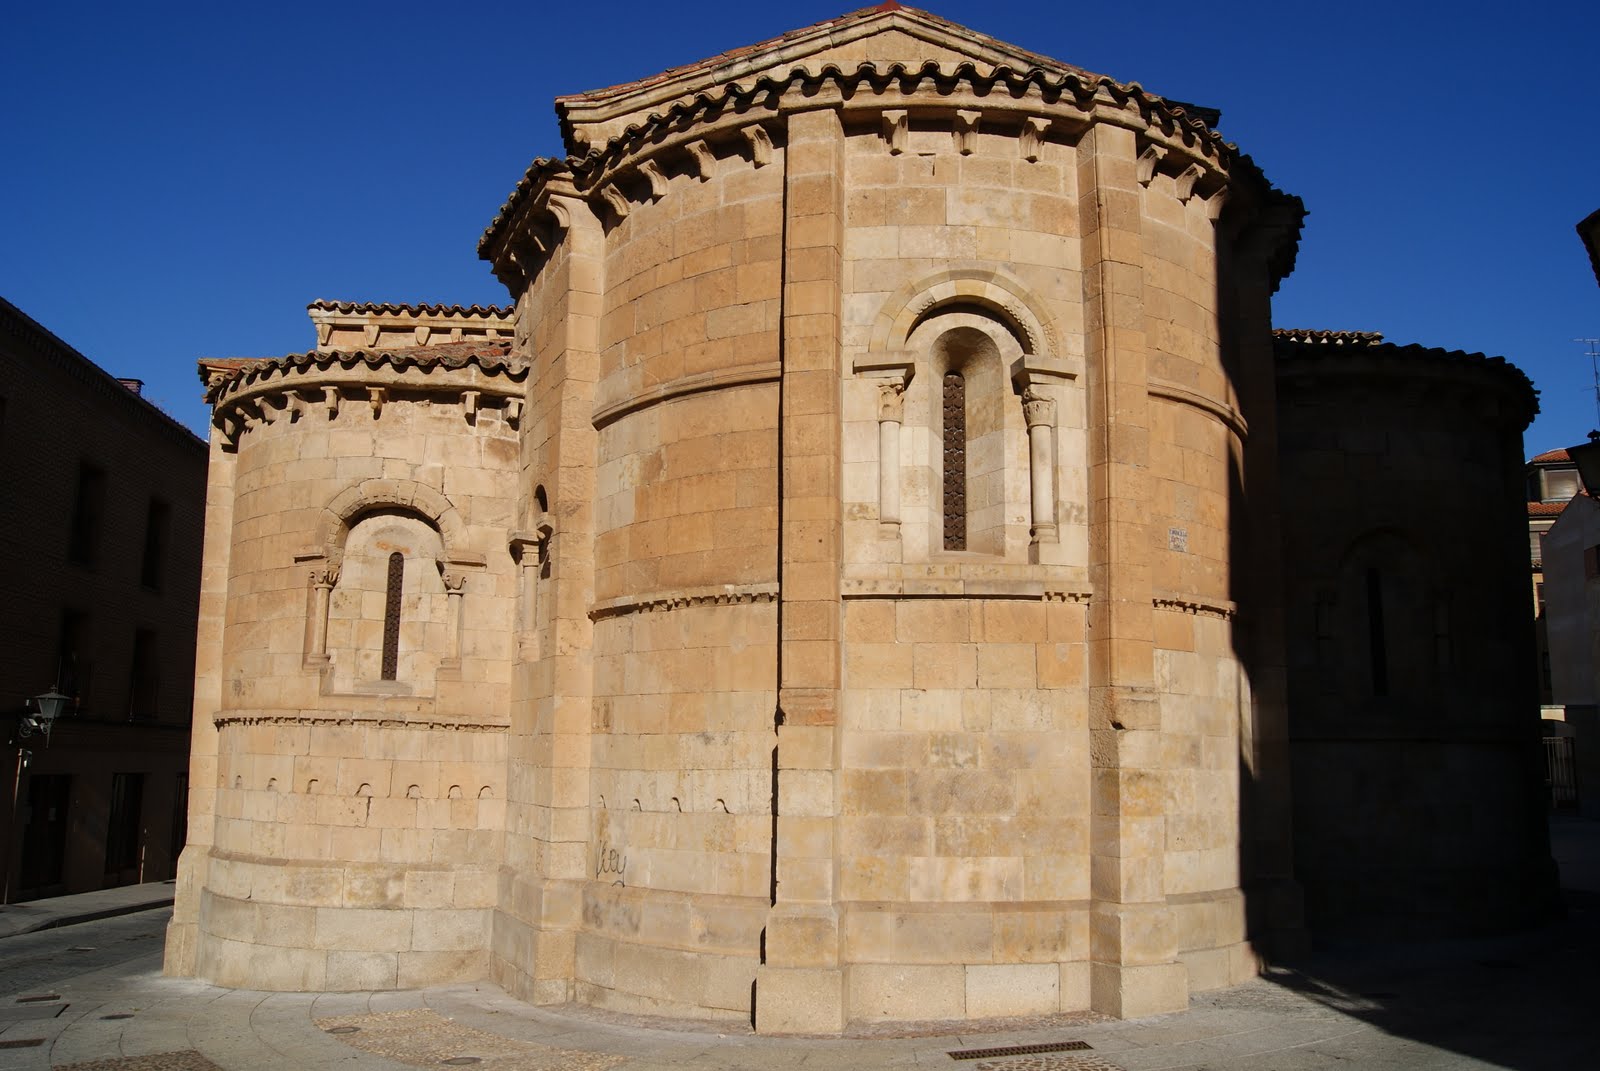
180	179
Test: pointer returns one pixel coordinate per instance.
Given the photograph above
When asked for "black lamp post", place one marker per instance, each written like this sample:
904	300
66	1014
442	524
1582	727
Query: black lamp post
49	706
52	705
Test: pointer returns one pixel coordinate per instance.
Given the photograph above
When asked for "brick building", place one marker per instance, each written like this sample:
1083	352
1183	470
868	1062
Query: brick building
101	512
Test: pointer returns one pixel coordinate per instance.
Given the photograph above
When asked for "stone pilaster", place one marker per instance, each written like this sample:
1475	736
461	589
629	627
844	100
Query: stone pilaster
216	554
552	865
1133	944
800	984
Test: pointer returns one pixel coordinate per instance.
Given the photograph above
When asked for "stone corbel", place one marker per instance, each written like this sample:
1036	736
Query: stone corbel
324	333
514	411
421	334
376	396
1186	180
469	405
658	182
330	401
370	333
1149	160
760	143
1034	128
966	130
896	129
1216	203
704	160
615	200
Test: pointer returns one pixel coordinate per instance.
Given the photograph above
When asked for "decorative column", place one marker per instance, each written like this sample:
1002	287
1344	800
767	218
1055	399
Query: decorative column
532	551
322	584
1038	380
1040	413
891	411
454	585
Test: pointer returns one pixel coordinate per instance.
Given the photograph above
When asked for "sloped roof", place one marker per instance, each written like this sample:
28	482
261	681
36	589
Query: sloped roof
1546	509
405	309
1290	344
1549	455
493	356
632	112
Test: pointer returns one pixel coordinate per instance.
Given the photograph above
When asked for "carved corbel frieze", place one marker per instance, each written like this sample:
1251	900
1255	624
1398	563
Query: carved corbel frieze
615	200
1149	160
1031	141
760	144
896	130
658	182
966	130
1186	181
704	160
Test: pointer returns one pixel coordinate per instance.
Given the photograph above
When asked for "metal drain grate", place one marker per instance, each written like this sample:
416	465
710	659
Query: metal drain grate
21	1043
1020	1050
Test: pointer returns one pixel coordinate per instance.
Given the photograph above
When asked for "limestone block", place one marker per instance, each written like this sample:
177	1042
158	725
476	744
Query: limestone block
1013	989
799	1000
348	971
362	929
883	991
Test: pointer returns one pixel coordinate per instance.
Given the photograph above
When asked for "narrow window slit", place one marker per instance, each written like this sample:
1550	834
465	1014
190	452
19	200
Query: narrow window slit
1379	642
391	616
955	461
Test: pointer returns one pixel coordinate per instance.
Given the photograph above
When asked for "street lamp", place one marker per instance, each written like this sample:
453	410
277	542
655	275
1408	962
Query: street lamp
52	705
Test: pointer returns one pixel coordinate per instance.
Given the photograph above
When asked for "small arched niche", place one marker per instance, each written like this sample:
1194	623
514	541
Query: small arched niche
388	617
973	438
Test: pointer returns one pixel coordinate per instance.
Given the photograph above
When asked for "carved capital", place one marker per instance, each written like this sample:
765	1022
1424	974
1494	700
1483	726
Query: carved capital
1037	409
453	582
892	401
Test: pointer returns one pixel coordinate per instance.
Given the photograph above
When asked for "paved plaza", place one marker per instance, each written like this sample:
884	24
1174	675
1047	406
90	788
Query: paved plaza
90	996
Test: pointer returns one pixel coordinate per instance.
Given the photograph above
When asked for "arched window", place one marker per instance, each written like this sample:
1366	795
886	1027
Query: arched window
391	615
954	422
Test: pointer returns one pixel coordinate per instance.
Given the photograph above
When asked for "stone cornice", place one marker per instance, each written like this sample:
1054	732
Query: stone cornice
368	719
1032	104
651	602
244	394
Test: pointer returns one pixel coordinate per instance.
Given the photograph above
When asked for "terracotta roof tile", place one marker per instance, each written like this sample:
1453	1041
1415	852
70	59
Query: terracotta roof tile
1546	509
1549	455
393	309
1049	74
1330	338
492	356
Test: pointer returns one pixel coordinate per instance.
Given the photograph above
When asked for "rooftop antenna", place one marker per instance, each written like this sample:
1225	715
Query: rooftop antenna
1594	369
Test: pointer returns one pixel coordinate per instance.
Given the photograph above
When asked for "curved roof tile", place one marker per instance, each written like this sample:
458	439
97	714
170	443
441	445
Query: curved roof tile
493	357
392	309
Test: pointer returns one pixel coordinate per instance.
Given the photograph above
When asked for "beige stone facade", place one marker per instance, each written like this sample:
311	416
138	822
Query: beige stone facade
821	593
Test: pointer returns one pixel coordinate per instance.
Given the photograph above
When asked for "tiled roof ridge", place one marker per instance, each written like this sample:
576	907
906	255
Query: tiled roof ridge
1288	346
406	308
734	94
1305	336
849	17
493	356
